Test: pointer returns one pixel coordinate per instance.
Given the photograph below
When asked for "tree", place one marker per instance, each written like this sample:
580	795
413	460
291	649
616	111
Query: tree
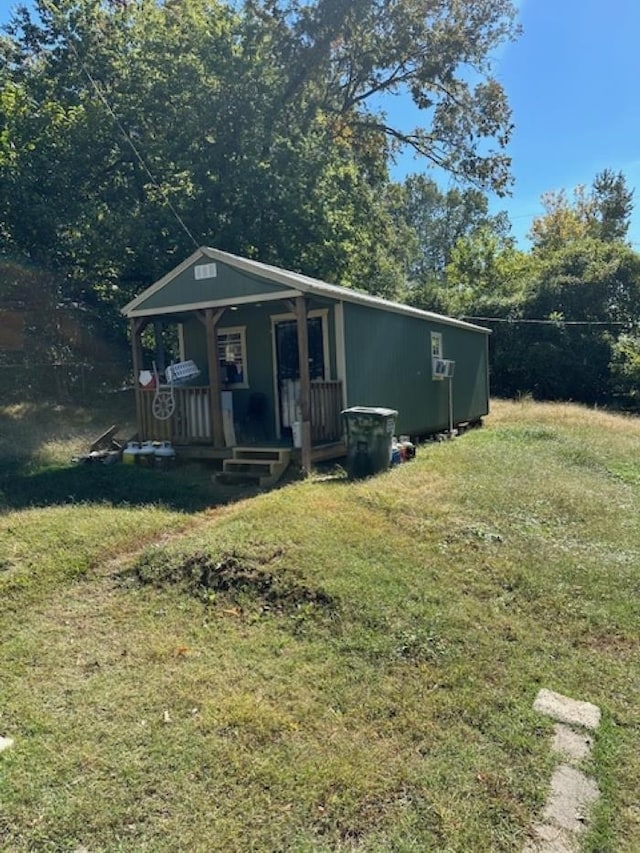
596	286
130	131
576	308
487	276
588	286
348	56
614	204
440	219
625	369
601	213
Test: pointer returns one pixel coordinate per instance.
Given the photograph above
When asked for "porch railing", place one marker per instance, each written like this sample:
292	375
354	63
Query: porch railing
190	422
326	405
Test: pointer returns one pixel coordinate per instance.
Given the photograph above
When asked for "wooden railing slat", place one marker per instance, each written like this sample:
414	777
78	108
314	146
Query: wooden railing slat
326	405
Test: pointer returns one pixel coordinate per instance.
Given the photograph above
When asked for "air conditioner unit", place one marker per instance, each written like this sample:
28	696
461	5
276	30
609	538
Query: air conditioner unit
443	368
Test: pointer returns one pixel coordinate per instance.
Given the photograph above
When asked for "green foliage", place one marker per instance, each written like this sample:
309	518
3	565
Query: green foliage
565	314
614	203
346	56
64	349
625	366
439	220
597	286
601	214
487	275
259	124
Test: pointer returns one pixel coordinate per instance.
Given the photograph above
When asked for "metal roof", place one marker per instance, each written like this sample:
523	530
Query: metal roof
299	283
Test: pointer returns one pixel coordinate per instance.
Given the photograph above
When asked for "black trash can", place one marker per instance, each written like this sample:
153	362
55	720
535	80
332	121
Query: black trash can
368	432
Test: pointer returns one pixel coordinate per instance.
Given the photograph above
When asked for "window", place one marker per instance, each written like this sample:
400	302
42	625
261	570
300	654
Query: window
436	354
232	357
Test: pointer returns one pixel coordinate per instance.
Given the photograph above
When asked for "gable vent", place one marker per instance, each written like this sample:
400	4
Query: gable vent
205	271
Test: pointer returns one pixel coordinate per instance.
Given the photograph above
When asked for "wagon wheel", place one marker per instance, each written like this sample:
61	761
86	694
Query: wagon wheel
164	404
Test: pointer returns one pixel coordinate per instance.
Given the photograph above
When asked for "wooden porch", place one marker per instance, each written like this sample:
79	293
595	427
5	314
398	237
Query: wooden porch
195	416
191	424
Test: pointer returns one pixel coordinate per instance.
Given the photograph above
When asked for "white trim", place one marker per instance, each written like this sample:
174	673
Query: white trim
323	313
436	354
217	303
233	330
341	350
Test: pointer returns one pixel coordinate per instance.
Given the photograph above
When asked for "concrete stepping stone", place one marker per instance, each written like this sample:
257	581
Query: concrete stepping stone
566	710
572	793
574	746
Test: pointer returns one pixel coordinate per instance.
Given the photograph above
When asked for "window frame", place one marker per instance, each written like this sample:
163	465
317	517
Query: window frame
436	353
242	332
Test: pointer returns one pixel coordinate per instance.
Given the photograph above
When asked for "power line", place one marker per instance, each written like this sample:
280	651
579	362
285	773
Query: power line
513	321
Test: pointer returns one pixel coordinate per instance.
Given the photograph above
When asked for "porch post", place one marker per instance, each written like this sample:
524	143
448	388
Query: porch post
211	319
136	325
305	380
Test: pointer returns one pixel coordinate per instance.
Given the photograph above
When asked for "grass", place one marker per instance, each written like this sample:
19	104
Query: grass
332	665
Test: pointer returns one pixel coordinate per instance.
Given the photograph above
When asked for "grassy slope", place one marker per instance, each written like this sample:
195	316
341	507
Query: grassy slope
389	709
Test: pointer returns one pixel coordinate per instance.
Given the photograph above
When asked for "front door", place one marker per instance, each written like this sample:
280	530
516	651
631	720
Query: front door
288	365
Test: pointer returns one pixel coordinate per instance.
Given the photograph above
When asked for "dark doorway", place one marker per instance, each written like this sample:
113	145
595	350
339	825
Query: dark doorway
288	364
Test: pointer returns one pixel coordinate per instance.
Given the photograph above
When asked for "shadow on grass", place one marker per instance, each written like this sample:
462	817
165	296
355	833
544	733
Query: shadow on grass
187	489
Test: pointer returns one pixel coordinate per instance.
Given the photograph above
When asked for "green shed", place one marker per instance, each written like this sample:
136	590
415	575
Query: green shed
279	355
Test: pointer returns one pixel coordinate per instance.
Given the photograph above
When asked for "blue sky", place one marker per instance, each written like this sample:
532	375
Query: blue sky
572	80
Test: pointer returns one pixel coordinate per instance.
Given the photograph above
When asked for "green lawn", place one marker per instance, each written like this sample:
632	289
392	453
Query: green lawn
330	666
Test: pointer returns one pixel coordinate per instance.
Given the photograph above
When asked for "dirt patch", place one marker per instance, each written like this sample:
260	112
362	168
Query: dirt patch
233	579
350	821
609	643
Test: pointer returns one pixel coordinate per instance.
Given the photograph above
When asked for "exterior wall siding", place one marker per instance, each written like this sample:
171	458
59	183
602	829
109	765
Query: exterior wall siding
228	284
388	360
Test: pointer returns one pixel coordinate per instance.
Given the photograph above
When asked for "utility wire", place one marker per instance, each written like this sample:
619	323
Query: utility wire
122	130
558	322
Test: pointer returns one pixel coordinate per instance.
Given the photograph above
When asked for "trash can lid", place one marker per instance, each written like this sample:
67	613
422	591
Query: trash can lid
371	410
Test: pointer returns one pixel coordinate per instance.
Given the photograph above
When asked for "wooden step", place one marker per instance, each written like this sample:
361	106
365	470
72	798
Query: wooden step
261	466
276	454
237	478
